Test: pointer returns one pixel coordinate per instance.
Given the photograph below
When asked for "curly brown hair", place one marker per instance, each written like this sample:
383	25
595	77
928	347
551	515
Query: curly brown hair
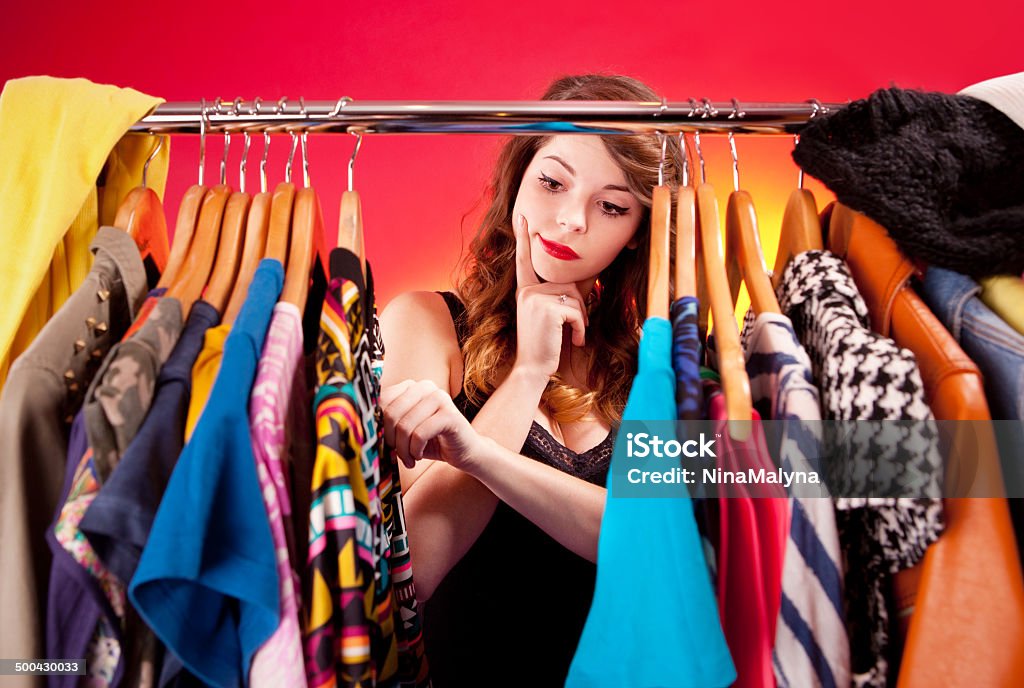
618	305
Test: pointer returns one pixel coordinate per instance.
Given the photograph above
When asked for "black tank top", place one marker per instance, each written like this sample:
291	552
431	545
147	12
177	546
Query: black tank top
511	612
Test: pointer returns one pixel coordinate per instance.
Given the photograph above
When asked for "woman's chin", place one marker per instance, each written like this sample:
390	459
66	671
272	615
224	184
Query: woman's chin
560	272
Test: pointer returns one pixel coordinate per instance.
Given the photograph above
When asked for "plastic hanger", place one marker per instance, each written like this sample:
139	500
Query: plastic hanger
232	231
350	216
141	214
255	242
731	363
307	224
686	232
744	259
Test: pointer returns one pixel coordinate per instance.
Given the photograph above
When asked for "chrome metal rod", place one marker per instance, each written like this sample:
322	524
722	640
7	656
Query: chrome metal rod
484	117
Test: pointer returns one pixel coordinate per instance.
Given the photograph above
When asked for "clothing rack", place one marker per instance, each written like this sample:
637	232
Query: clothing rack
480	117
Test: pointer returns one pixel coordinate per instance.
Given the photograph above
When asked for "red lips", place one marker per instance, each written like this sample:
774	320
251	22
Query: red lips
556	250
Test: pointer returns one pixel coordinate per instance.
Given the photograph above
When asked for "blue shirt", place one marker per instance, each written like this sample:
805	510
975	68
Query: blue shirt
207	582
686	360
653	621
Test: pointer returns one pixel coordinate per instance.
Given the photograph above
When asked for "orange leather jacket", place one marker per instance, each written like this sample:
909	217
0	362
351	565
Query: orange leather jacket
967	596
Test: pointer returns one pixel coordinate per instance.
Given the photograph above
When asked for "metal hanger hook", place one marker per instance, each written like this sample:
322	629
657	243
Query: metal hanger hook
255	110
227	148
291	157
352	160
305	149
246	141
203	124
700	157
816	109
342	102
686	158
663	140
736	114
145	167
709	108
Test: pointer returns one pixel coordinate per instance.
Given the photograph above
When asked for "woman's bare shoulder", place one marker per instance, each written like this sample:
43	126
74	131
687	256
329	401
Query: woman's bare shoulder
420	341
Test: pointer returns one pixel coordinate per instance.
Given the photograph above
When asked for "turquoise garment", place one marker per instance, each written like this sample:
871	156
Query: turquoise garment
653	621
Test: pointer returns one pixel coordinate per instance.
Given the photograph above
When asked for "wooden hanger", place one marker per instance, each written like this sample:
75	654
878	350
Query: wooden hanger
801	231
229	251
280	222
731	363
307	224
255	244
658	263
141	214
744	259
188	286
840	226
350	226
686	242
350	215
184	228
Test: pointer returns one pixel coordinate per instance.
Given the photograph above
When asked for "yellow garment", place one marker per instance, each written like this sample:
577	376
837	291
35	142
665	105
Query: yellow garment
204	372
57	135
1004	294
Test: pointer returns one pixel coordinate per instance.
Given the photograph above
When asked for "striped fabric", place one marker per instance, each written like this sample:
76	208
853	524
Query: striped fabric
811	643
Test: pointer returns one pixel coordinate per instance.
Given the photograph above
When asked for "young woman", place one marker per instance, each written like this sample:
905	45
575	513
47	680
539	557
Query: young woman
502	399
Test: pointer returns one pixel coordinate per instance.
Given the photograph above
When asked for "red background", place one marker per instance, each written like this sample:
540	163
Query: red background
421	193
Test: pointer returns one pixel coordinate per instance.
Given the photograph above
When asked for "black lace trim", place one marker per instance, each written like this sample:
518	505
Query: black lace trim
592	465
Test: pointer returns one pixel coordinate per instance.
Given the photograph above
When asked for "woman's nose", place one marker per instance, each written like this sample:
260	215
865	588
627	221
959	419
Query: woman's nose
572	217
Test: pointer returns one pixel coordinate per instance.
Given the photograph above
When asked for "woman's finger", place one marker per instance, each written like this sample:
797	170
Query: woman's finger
400	399
570	291
525	276
392	392
424	443
572	316
427	406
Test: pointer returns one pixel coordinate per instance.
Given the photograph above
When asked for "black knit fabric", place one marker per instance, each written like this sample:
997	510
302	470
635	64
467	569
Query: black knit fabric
943	174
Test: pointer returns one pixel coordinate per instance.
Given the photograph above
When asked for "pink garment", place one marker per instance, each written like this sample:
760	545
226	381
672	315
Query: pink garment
752	543
278	395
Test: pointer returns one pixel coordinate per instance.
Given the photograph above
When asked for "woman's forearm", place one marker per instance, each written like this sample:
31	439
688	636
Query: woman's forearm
565	507
447	509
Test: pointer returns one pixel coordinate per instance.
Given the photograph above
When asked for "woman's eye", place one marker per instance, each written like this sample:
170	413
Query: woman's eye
612	209
549	183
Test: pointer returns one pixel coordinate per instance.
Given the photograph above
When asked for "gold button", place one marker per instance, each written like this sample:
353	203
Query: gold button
101	328
97	354
91	322
73	387
104	294
79	345
69	419
69	375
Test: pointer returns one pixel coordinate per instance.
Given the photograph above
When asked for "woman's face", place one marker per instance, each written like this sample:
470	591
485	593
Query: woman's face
579	210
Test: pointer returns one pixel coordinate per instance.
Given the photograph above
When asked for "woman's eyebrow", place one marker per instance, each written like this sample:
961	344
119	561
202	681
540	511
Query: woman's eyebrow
564	164
569	168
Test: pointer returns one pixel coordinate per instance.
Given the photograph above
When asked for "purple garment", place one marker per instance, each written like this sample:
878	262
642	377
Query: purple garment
74	603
